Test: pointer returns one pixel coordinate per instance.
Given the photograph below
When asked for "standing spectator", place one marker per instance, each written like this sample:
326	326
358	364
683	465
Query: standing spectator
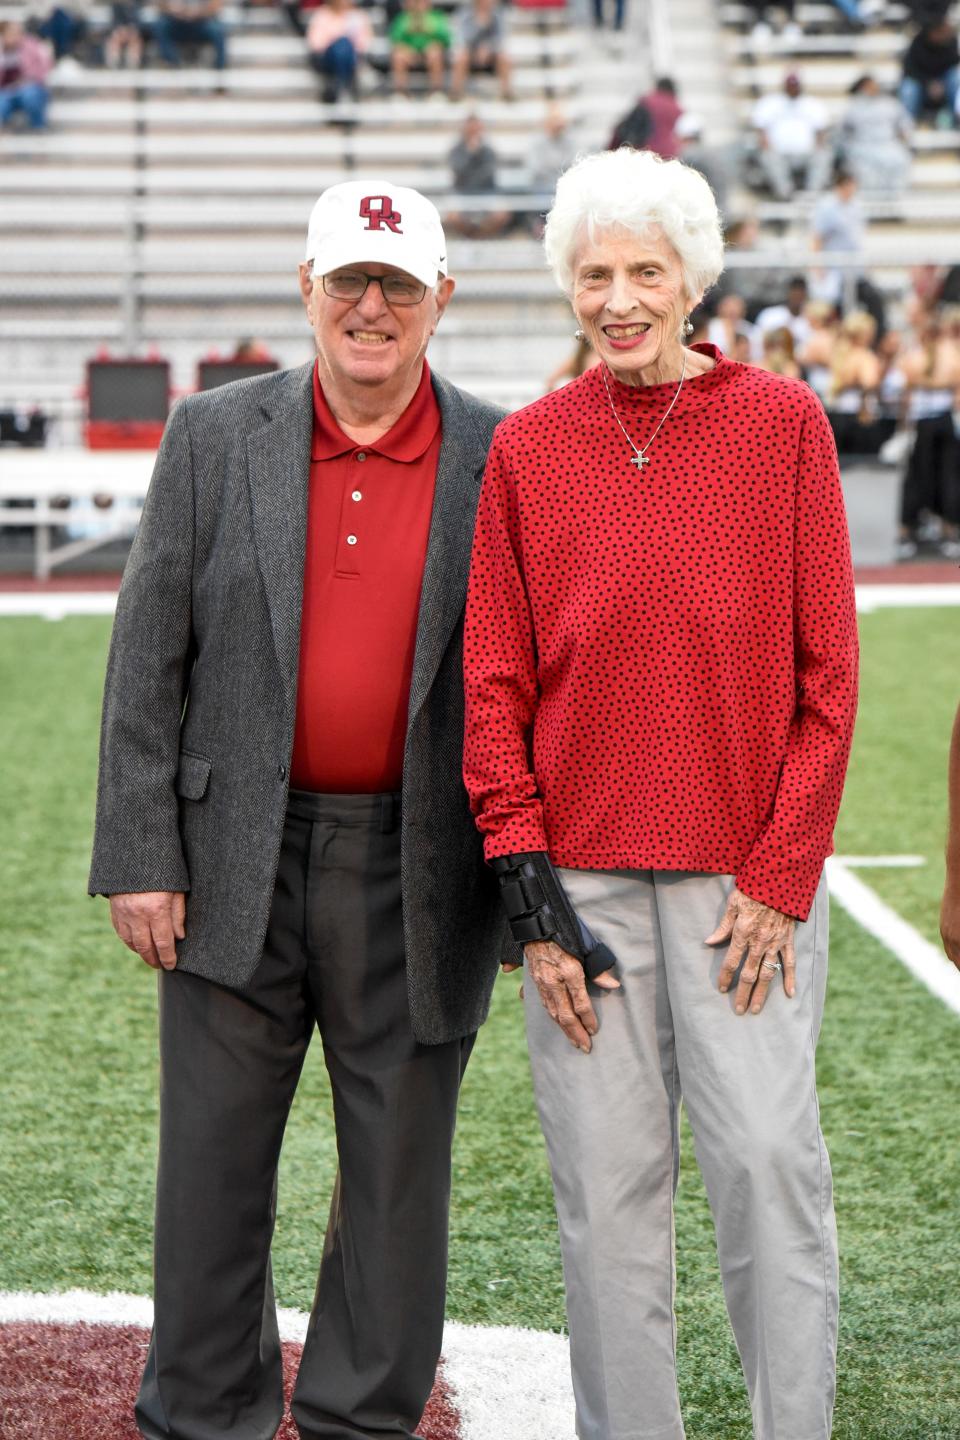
337	35
838	223
874	138
777	354
480	47
473	162
420	39
729	323
790	315
651	124
792	133
125	36
931	73
853	393
190	22
816	356
931	369
25	63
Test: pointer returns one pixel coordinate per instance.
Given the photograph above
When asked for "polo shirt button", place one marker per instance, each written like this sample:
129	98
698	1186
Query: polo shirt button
356	495
351	539
361	455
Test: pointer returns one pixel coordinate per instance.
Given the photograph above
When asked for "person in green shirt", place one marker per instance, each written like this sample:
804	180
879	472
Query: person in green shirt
420	39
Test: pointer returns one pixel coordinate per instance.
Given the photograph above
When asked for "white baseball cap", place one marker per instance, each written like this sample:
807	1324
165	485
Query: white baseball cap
364	220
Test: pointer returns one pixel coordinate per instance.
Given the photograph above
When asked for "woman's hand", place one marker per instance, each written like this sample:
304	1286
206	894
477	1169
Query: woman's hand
761	937
562	985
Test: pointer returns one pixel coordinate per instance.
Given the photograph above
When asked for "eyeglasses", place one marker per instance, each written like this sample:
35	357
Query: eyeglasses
396	289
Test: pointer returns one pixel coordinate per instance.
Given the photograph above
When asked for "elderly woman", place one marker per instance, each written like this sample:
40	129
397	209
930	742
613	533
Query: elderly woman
661	684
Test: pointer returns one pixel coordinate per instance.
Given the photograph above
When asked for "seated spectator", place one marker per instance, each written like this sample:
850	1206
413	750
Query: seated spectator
712	161
788	316
780	18
124	42
480	47
728	323
618	14
777	354
66	29
792	134
25	63
816	354
552	152
474	165
931	73
852	397
420	40
190	22
760	285
337	36
651	123
860	13
874	138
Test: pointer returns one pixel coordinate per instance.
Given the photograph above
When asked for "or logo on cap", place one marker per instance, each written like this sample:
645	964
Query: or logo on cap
383	214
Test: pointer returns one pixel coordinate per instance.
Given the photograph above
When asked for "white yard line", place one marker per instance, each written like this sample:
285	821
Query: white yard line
877	597
505	1382
928	964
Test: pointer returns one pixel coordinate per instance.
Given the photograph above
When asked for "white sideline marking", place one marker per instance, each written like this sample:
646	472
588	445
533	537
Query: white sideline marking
923	960
877	597
507	1382
55	604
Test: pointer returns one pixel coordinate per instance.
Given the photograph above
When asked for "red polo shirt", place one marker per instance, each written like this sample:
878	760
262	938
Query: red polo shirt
368	519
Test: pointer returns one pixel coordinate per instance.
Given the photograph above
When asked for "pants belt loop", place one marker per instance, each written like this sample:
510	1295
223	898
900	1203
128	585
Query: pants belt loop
388	814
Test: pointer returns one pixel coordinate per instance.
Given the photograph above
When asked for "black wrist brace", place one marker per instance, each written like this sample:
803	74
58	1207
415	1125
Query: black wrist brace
538	909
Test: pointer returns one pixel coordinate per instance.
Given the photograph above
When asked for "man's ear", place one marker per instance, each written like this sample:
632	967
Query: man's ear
306	279
444	293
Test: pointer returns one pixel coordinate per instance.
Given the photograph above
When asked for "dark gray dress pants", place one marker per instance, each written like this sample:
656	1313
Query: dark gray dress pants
230	1061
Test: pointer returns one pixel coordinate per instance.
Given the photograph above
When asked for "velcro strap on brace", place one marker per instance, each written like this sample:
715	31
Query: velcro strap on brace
538	909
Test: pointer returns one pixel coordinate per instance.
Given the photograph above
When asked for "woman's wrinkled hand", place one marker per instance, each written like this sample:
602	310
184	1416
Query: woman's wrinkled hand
761	938
562	985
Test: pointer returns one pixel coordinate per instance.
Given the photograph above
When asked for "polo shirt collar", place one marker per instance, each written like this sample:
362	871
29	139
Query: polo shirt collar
408	439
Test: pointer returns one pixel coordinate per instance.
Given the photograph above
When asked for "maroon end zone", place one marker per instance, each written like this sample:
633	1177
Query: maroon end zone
78	1382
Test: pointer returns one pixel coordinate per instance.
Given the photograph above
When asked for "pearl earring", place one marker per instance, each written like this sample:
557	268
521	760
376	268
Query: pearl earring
579	334
687	329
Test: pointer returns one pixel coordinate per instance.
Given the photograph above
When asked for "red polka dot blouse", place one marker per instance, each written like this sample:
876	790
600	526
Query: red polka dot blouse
661	665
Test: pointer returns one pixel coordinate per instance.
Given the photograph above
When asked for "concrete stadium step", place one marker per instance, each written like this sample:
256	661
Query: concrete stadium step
358	147
557	79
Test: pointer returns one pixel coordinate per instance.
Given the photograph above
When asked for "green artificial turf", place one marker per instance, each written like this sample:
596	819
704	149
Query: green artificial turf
78	1103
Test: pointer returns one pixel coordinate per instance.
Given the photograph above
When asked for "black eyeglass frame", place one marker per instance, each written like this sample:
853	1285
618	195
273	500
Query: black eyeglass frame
379	279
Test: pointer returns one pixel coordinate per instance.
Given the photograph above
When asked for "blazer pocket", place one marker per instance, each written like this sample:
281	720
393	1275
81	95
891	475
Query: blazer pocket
193	776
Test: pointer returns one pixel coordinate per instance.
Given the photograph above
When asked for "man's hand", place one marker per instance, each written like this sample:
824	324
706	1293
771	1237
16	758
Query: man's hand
149	923
562	985
950	923
761	937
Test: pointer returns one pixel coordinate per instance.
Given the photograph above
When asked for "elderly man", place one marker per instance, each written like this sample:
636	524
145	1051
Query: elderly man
284	836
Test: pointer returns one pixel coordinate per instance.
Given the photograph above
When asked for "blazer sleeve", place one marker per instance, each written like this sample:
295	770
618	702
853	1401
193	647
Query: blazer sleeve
500	671
784	866
137	843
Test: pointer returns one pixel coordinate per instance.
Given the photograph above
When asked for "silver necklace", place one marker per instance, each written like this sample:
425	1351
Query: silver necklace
640	457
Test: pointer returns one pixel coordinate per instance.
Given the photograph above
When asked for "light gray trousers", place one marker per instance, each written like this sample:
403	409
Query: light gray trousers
611	1119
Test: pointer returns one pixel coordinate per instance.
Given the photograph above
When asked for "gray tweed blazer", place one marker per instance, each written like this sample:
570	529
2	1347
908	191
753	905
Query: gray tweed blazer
199	704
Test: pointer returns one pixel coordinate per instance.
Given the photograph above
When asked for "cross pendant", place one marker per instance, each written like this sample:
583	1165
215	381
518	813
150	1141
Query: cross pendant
639	460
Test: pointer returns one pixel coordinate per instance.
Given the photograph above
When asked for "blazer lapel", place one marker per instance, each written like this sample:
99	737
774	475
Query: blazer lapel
463	454
278	472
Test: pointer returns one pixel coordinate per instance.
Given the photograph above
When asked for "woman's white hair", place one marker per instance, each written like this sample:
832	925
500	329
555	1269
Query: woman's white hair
635	190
